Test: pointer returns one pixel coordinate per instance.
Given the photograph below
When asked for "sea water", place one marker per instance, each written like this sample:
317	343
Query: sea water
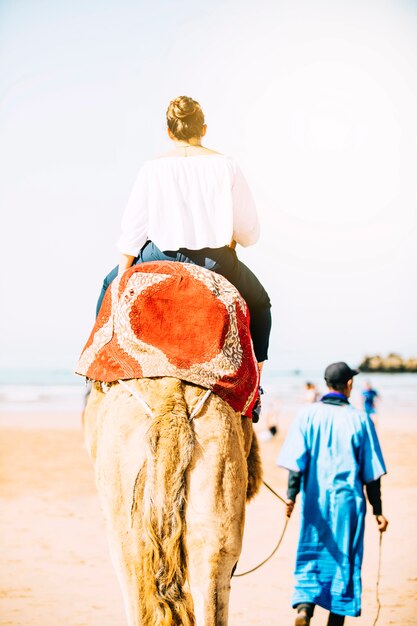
40	390
60	390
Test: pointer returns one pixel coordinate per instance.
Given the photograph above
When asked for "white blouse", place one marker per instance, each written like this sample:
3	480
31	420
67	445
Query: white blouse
189	202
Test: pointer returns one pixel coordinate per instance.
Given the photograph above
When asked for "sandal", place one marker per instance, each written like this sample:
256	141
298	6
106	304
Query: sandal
257	407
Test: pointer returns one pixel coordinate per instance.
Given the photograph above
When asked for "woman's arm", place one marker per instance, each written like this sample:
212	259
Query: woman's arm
126	261
245	218
134	222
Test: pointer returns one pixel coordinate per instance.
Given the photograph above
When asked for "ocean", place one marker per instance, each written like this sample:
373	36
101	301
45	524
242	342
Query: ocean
60	391
41	390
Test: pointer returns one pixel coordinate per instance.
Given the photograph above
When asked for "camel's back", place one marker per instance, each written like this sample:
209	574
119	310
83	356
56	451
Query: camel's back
179	320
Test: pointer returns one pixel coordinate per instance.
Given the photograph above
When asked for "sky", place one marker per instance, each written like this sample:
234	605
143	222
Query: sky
317	101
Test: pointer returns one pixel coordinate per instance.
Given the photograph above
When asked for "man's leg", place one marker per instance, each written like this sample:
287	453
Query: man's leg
335	620
305	612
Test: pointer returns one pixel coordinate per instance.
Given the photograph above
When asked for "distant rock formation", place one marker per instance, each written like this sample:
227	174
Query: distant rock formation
391	364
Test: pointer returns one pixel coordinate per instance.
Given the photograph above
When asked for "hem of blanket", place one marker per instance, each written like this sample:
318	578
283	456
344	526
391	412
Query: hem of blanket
246	412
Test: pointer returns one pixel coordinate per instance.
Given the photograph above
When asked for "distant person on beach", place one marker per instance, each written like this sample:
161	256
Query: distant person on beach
271	422
311	393
332	452
369	396
193	205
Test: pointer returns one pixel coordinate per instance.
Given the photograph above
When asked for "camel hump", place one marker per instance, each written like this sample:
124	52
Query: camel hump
175	319
161	495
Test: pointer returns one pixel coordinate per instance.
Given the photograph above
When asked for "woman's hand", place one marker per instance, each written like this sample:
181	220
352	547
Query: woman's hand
125	262
289	508
382	523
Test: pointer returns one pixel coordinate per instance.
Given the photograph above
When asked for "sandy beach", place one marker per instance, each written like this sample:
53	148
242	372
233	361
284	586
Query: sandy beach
55	565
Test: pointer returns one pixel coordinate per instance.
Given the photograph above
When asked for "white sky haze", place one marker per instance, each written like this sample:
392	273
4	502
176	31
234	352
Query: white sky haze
316	100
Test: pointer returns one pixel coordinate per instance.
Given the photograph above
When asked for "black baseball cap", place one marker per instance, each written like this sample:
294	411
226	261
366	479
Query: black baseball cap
338	373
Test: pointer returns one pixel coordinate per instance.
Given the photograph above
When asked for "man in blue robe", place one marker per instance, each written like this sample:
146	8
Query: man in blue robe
332	452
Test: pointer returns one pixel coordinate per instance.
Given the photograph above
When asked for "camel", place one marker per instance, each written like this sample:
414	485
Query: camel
173	494
173	486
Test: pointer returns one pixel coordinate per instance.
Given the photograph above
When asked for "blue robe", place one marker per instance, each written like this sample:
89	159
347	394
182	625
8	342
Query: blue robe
336	449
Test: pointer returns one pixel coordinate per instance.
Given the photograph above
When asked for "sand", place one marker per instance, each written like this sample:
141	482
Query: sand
55	566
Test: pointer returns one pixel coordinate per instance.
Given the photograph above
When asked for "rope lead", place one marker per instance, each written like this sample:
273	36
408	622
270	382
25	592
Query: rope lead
378	577
279	540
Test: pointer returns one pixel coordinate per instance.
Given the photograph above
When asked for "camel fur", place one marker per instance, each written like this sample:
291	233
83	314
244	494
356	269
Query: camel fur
173	492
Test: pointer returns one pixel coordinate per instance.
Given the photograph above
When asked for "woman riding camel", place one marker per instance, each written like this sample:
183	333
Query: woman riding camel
193	205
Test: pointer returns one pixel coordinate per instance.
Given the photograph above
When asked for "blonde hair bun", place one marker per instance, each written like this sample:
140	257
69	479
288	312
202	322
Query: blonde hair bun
185	118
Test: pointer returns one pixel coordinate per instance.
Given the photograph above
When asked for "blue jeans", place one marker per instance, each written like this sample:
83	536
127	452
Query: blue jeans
224	261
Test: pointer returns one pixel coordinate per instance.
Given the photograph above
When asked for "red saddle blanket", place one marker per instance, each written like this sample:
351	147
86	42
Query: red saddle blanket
174	319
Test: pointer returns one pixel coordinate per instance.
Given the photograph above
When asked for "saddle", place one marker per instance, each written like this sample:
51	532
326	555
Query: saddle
174	319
